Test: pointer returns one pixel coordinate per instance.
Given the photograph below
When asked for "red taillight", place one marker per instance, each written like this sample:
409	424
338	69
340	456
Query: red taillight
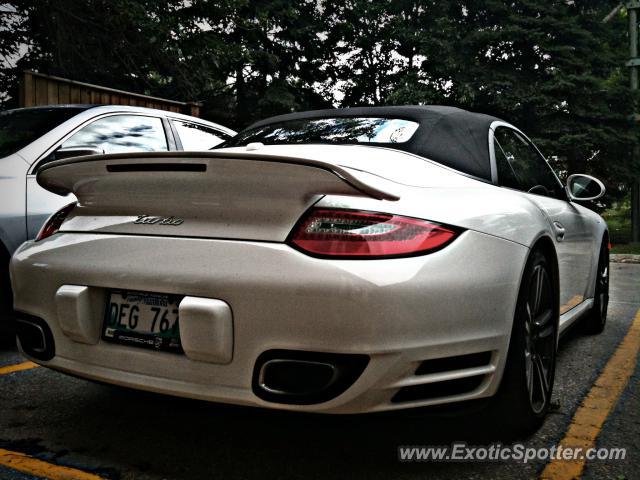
55	221
356	234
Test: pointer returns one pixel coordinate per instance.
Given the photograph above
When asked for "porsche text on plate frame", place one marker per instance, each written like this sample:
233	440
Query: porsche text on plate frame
333	261
143	319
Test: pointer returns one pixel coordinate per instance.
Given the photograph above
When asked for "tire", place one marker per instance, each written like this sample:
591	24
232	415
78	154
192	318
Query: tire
6	301
524	396
596	319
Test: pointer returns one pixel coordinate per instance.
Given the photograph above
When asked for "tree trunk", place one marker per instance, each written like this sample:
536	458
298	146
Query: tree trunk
242	109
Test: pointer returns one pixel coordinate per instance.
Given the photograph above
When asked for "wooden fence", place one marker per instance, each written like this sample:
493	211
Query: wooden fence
39	89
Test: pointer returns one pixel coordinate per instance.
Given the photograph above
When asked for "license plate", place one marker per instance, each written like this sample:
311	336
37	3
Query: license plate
147	320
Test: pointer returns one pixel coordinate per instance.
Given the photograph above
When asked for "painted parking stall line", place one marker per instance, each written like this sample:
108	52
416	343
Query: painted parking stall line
598	404
39	468
18	368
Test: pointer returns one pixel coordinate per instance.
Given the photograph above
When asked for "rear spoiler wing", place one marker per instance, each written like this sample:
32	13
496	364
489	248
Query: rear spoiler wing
65	176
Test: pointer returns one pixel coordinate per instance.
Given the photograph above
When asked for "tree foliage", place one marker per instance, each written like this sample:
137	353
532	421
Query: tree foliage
551	67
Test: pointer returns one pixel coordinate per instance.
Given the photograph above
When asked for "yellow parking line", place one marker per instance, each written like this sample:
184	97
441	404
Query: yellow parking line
596	407
18	368
32	466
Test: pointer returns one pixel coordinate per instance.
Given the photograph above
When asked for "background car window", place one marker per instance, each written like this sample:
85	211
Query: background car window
198	137
121	133
18	128
520	166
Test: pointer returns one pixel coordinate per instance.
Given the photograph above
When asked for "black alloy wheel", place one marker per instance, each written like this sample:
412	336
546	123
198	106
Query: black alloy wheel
597	318
540	339
524	396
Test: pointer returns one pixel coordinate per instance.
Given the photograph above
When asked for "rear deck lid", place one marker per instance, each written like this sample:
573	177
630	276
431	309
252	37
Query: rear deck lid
218	194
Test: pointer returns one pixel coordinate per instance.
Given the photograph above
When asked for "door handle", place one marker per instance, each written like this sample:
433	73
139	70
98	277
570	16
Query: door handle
560	231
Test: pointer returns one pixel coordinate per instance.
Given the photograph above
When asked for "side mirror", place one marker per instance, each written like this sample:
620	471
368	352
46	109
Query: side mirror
584	187
68	152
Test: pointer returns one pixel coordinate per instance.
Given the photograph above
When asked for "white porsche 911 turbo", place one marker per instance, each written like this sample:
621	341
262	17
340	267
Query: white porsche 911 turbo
336	261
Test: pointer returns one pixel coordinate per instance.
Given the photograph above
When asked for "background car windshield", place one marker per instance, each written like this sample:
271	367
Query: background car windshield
18	128
329	130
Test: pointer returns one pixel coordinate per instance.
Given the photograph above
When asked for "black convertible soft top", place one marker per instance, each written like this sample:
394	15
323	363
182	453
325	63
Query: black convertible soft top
451	136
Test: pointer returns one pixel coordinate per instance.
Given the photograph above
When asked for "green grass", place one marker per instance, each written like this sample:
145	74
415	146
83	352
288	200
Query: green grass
618	218
629	248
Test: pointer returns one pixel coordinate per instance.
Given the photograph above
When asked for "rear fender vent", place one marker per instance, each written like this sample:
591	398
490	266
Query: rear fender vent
430	391
448	364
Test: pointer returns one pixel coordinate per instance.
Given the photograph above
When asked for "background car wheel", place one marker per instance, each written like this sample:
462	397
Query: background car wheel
595	321
527	384
6	304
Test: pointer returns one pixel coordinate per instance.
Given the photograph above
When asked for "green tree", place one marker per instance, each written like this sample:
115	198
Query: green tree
361	59
550	67
125	44
268	52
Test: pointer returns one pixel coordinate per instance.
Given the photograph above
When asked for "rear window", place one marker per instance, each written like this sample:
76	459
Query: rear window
342	130
18	128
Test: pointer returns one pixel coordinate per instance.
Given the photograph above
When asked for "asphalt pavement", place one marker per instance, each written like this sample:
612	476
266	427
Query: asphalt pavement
116	433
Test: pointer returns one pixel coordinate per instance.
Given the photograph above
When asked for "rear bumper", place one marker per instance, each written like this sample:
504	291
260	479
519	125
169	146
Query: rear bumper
398	312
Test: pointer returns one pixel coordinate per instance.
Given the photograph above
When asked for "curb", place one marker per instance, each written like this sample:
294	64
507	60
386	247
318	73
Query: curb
624	258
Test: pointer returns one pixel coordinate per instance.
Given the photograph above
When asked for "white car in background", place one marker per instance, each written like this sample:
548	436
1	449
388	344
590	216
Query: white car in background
33	137
335	261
